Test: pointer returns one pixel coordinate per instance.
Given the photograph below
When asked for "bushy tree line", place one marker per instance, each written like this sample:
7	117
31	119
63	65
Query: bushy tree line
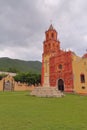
29	78
13	70
2	76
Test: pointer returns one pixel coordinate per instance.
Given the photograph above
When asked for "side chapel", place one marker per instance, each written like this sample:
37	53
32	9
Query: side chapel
62	69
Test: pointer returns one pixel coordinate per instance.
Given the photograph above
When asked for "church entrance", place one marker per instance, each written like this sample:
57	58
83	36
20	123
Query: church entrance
60	85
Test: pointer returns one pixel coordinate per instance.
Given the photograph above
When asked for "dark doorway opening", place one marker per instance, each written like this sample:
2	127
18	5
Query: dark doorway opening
60	85
8	86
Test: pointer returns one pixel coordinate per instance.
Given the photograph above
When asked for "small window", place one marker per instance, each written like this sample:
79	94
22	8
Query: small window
60	66
83	87
82	77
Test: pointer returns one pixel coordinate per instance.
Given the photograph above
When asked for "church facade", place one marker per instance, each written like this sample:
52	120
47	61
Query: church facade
62	69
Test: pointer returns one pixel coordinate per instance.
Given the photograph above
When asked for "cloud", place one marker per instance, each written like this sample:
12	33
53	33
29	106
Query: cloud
23	24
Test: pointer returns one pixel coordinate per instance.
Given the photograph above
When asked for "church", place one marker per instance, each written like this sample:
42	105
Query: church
62	69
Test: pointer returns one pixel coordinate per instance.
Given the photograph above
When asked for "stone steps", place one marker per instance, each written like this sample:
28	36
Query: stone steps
46	92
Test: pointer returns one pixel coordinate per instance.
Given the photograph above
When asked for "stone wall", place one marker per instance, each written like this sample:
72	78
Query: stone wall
23	87
17	86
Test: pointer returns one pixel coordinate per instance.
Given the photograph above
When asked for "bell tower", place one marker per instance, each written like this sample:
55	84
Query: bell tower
50	48
51	44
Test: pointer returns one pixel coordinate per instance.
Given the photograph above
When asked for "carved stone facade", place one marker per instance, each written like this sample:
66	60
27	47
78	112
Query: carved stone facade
62	69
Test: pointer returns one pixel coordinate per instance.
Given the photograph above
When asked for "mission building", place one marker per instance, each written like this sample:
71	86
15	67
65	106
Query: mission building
62	69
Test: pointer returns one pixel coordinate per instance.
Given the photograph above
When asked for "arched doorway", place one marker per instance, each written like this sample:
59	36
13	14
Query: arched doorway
8	83
60	85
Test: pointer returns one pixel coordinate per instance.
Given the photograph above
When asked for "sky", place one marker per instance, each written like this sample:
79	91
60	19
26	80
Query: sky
23	24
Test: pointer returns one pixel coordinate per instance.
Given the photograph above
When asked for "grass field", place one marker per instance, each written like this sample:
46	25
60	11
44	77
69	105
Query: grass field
18	111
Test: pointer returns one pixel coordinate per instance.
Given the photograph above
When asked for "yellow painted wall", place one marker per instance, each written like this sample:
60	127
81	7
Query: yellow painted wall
79	67
1	85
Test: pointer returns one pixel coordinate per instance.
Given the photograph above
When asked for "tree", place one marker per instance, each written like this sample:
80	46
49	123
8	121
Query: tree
13	70
29	78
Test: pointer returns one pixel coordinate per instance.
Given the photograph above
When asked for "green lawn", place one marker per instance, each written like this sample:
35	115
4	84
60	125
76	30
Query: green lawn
19	111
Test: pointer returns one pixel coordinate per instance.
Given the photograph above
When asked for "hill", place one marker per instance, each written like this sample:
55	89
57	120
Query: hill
16	65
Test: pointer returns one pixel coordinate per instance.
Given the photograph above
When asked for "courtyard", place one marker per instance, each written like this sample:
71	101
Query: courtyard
20	111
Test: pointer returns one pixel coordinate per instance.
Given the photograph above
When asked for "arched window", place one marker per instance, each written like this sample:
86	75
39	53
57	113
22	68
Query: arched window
82	78
45	46
52	35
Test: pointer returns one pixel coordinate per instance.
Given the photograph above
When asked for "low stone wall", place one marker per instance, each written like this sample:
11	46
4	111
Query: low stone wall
23	87
19	86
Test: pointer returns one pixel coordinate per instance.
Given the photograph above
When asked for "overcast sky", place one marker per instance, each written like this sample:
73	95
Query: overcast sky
23	24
